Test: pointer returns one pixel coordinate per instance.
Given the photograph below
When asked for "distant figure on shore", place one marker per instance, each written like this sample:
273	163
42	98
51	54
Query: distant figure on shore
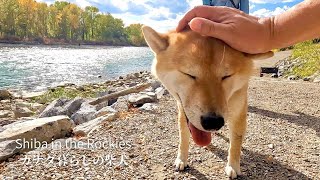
242	5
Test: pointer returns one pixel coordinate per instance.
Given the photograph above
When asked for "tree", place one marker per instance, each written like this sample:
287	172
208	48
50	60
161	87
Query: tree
9	12
90	18
134	34
63	21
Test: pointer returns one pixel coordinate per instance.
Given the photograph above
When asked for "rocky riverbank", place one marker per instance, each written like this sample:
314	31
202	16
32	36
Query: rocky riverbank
286	67
22	117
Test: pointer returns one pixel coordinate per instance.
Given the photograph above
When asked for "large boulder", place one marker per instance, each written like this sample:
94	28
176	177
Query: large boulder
140	99
30	134
85	128
4	113
107	103
22	112
104	111
31	106
43	129
155	84
5	94
73	106
55	108
84	114
8	149
121	105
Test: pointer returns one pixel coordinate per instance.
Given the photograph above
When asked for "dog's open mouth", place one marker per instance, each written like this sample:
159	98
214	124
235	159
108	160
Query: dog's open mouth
201	138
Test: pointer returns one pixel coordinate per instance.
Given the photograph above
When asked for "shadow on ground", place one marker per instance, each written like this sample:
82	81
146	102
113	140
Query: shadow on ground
254	166
300	118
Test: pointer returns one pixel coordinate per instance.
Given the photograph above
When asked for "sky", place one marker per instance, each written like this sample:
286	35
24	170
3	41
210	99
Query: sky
164	15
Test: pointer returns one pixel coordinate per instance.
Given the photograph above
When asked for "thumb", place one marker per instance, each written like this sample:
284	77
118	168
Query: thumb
209	28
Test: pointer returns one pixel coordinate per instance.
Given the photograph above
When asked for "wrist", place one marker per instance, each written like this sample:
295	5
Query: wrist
269	39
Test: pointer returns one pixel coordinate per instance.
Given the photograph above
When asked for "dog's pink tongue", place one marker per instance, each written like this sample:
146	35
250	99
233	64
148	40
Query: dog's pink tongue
200	137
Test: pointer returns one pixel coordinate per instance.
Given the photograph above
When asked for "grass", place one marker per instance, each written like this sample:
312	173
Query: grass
308	56
68	93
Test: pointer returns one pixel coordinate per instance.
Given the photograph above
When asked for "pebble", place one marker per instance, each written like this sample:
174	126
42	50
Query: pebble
271	146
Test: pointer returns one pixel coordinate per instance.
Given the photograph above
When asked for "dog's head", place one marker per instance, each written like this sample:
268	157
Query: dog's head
203	74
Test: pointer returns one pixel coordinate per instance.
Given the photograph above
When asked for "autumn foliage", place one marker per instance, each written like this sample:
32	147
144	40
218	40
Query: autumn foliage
28	20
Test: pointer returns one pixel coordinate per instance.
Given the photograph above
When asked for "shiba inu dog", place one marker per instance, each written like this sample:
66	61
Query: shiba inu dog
209	81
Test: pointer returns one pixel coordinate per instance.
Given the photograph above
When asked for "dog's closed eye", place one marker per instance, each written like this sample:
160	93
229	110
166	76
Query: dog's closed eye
191	76
225	77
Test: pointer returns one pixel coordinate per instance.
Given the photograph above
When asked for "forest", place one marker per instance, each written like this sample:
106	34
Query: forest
63	22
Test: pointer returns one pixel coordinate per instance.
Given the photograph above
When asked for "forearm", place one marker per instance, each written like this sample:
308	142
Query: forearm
295	25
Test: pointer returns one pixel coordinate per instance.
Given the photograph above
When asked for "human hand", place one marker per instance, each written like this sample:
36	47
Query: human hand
241	31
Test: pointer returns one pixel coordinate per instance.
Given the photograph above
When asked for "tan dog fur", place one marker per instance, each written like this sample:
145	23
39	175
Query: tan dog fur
179	55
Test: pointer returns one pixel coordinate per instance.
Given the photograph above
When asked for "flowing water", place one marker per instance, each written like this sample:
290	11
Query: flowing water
35	68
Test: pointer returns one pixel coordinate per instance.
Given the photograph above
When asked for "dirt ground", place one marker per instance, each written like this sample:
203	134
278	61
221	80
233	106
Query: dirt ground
282	142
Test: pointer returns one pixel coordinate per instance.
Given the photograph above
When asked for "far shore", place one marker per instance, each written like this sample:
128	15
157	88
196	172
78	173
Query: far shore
37	43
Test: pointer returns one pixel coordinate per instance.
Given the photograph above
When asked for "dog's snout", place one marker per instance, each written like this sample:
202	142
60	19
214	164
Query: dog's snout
211	121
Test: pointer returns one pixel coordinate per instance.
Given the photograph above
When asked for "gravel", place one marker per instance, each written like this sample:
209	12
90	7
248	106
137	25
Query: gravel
282	142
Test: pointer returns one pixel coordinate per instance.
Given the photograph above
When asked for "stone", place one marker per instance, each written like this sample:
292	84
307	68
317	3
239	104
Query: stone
73	106
104	111
159	92
101	105
5	94
5	101
42	130
22	112
31	95
274	75
80	88
149	89
84	114
306	79
23	104
155	84
317	79
87	127
109	102
65	84
130	76
4	113
121	105
8	149
137	75
95	86
37	107
149	107
280	74
131	84
101	94
151	94
55	108
271	146
292	77
140	99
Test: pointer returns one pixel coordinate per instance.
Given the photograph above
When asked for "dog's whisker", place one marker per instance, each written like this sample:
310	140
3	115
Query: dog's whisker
224	50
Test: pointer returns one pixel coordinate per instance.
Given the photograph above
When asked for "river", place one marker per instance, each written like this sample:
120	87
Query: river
35	68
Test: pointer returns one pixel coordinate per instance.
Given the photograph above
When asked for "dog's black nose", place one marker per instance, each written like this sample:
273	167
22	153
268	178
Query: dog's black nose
211	121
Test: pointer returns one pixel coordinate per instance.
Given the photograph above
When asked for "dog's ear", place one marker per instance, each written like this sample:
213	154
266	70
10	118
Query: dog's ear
259	56
156	41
